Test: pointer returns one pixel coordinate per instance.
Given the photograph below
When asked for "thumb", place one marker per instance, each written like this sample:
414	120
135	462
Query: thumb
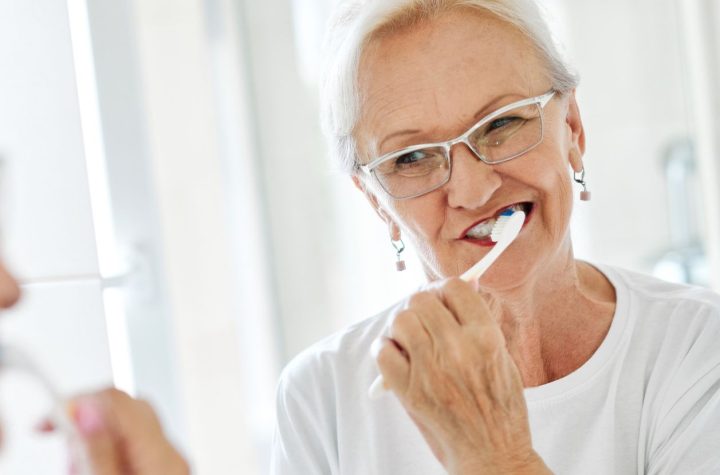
99	444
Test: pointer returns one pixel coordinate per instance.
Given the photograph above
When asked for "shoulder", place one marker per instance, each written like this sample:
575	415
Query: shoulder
340	359
675	333
314	388
652	298
672	329
675	347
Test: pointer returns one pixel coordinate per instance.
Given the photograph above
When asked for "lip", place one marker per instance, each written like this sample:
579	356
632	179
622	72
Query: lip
497	211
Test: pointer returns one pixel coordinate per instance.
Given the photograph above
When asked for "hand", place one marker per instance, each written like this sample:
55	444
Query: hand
447	362
123	436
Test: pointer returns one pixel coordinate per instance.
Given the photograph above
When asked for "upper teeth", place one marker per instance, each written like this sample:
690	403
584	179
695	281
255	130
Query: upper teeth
484	228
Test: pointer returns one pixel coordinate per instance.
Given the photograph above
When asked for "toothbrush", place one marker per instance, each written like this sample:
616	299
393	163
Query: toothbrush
504	232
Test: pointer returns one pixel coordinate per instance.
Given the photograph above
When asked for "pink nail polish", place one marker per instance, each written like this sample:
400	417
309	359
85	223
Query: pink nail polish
88	417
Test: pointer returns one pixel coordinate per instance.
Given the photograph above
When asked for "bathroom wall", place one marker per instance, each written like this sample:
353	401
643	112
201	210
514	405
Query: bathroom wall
48	231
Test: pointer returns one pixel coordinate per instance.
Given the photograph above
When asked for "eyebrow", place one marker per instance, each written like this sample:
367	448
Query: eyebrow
486	109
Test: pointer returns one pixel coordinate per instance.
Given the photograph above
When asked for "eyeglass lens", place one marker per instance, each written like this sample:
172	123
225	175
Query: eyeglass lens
504	137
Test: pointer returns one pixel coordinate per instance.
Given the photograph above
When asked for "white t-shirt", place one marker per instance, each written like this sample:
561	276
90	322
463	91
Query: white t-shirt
647	401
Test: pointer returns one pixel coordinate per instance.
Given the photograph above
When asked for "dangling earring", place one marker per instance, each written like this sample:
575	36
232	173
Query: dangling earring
399	246
584	194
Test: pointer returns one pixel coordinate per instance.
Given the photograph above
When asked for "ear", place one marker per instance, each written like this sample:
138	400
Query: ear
393	228
577	133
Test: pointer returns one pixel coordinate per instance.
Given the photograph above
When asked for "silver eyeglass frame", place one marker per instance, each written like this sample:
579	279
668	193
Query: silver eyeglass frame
540	100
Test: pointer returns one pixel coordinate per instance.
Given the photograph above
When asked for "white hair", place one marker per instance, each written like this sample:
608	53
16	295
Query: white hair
356	21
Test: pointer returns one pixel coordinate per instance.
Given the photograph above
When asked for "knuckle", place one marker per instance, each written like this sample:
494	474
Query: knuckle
455	284
403	321
116	393
114	396
420	299
385	355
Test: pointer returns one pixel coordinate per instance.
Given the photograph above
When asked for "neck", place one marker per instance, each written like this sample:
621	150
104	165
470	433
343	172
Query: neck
554	322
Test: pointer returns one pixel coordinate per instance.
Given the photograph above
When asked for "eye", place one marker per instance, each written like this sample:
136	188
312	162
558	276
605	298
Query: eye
410	159
502	122
414	164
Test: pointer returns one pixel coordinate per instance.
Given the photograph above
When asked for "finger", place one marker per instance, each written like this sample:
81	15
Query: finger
393	365
99	444
465	303
411	335
434	316
139	430
132	419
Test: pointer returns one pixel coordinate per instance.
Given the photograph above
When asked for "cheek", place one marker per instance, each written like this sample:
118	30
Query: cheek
564	198
422	217
548	172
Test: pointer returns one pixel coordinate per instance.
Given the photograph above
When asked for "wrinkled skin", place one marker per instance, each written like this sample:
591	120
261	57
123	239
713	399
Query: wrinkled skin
460	354
458	382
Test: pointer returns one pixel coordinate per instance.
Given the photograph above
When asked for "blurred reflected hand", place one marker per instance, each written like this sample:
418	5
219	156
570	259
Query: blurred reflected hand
123	436
446	360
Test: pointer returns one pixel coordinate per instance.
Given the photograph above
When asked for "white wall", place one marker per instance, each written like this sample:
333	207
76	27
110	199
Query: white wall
701	51
634	104
47	222
199	162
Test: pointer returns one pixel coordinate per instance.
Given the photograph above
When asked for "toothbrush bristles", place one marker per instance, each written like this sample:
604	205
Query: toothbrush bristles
499	226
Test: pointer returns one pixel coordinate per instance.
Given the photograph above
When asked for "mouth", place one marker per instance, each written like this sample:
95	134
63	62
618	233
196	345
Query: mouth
479	233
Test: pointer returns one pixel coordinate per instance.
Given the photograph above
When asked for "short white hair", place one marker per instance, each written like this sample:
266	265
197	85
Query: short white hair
356	21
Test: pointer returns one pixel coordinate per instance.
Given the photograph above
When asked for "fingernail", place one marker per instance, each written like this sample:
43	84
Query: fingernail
87	416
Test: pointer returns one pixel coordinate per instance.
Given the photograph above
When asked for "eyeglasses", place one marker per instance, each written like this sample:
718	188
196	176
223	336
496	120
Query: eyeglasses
507	133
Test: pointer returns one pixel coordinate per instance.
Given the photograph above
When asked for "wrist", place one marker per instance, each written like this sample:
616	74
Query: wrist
531	464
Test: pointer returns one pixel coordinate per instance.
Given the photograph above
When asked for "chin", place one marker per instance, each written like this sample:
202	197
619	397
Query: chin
507	277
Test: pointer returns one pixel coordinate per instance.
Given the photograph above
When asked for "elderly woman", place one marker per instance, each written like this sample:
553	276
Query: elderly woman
446	113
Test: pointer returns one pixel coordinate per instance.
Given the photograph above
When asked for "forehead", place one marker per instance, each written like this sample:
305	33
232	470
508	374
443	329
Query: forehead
436	75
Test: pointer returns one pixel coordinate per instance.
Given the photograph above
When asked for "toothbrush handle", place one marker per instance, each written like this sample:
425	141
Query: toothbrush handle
477	270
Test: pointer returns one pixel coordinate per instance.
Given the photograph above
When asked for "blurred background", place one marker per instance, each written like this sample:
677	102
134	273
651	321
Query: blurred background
180	231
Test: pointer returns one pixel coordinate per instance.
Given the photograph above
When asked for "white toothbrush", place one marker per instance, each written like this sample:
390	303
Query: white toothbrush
504	232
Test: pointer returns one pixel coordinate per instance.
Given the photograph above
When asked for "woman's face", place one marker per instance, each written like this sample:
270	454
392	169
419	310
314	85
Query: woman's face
430	83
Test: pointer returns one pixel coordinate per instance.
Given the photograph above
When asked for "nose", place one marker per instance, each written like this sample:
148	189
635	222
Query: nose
9	289
472	182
